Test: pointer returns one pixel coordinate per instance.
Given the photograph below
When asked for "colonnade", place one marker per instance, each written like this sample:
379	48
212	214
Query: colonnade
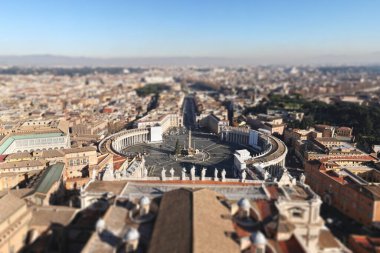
129	138
236	137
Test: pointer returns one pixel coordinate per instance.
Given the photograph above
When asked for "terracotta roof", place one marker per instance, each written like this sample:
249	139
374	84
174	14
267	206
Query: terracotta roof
22	164
16	156
210	225
327	240
265	208
52	153
333	175
118	161
9	205
291	246
2	157
104	186
173	228
349	158
273	191
364	243
79	150
48	215
19	193
192	221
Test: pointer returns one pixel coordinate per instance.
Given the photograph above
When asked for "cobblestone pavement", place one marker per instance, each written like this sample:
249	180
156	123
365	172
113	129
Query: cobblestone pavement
213	154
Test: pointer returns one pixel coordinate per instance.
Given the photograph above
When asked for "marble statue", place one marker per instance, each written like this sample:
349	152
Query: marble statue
266	175
145	172
243	175
203	174
172	173
216	175
223	175
302	178
192	172
163	174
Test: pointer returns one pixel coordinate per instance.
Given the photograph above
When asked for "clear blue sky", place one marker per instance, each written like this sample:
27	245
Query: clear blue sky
227	28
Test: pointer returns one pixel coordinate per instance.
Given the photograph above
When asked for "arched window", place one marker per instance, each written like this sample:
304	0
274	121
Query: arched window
297	212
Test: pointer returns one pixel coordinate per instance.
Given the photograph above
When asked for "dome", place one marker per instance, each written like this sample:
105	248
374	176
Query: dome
258	238
131	235
100	225
144	201
244	203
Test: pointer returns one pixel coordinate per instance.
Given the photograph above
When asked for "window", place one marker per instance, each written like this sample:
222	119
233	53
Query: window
297	212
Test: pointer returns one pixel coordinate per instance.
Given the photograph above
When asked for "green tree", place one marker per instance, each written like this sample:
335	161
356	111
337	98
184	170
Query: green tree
177	148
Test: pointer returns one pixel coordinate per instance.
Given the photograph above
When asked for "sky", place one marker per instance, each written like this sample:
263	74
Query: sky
197	28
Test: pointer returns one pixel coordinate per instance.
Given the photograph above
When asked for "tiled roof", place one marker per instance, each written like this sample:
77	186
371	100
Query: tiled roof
192	221
173	228
9	205
211	228
48	215
53	174
291	246
22	164
327	240
78	150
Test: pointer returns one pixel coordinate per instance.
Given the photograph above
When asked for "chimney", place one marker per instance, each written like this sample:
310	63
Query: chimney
131	240
144	206
100	226
258	242
244	208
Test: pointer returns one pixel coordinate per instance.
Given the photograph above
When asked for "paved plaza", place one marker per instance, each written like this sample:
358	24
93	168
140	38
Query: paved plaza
212	153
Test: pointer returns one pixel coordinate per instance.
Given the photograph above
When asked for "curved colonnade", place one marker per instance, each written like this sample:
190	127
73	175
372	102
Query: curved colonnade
272	151
115	143
273	159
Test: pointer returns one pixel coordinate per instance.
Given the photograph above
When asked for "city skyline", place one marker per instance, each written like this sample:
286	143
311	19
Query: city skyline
190	126
251	32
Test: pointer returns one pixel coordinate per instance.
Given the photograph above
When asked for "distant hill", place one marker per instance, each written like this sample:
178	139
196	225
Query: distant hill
66	61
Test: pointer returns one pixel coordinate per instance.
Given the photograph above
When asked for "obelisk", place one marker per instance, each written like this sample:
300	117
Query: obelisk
189	139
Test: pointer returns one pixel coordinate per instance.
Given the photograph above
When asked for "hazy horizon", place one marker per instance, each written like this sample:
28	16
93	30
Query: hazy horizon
270	32
48	60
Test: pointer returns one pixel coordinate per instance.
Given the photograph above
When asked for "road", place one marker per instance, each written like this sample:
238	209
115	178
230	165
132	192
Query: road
189	117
